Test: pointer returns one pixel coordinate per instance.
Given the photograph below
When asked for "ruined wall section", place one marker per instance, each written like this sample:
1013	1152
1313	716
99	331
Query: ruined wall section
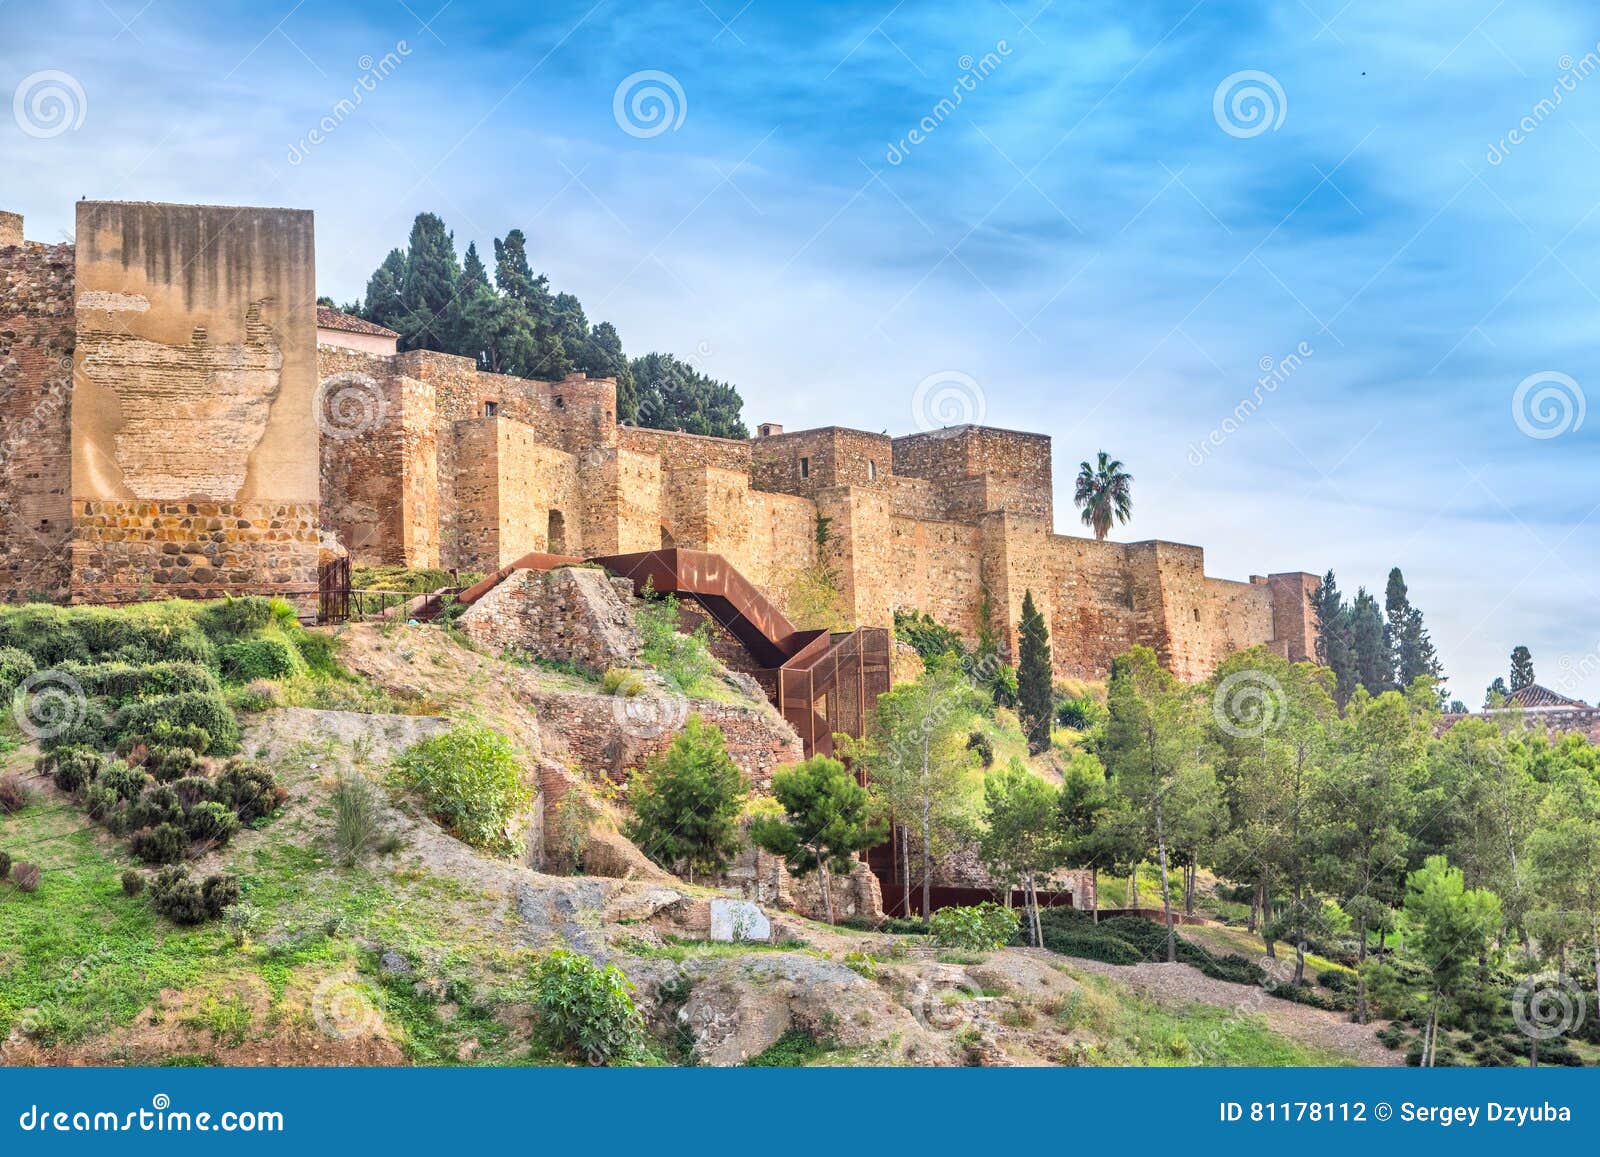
195	459
37	336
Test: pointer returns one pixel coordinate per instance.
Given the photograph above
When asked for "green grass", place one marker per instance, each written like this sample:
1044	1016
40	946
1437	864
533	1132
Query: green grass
78	957
678	949
794	1049
1135	1030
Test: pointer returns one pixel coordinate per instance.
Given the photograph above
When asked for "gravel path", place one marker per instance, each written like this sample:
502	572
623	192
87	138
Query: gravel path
1174	983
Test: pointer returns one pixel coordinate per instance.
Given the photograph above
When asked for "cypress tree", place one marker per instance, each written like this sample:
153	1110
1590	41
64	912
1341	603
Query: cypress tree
1521	668
429	286
1334	644
1373	666
383	303
1034	681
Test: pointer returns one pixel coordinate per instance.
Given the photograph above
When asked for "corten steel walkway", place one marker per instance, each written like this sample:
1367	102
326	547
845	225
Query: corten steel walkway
825	683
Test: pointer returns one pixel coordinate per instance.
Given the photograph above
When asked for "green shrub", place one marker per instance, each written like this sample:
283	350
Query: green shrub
211	823
123	682
127	783
981	743
163	844
177	897
265	658
317	650
194	789
163	734
685	661
73	768
157	805
1080	714
586	1010
205	710
132	882
470	779
232	619
249	789
41	631
89	728
15	666
100	802
979	928
168	764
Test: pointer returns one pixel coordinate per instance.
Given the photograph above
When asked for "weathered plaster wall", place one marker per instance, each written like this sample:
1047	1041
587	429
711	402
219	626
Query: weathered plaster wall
195	460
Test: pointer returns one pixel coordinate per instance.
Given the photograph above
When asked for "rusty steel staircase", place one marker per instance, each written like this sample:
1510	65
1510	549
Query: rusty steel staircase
824	683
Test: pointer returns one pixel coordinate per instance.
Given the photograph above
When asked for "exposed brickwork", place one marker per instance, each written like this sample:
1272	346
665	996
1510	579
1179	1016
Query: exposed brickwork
37	336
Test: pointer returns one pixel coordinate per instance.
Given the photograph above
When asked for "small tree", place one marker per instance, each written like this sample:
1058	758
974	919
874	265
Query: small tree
1020	840
1034	683
1455	928
827	819
919	765
686	802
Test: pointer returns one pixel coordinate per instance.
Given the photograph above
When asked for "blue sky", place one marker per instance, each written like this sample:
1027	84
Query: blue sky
1091	243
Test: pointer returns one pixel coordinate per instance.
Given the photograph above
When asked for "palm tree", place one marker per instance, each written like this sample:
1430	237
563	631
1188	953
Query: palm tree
1103	493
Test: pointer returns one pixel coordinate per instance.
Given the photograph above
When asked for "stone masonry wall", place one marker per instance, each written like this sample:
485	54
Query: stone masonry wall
37	336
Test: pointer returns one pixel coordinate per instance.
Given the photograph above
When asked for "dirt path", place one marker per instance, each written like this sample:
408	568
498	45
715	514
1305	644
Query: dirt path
1176	983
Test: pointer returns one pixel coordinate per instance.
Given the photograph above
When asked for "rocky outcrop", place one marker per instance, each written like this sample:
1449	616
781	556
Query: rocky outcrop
571	614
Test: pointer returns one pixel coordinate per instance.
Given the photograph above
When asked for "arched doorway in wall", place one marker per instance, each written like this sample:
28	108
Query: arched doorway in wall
556	536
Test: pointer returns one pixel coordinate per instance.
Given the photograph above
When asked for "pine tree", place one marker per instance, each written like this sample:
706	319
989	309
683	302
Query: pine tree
827	818
1034	678
1521	668
686	802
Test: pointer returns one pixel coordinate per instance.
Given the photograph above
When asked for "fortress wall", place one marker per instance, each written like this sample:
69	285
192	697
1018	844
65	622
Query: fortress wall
934	566
834	455
861	551
37	336
982	469
681	451
768	537
621	494
195	460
